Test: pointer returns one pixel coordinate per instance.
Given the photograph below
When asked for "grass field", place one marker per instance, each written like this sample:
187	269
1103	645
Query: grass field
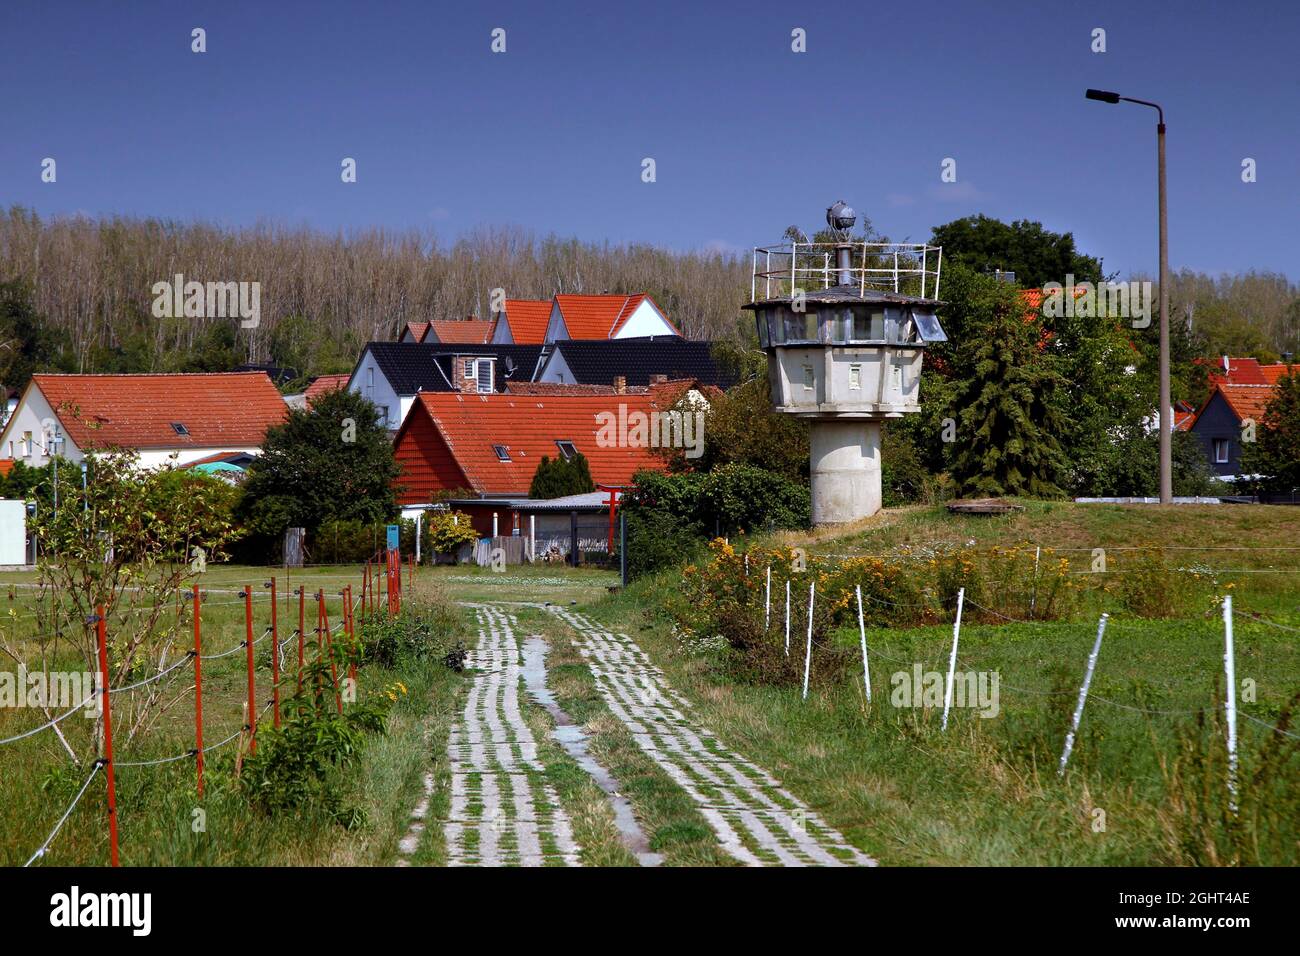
157	804
1146	783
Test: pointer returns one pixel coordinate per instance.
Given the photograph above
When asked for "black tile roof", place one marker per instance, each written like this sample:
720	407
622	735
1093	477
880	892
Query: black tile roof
412	367
597	362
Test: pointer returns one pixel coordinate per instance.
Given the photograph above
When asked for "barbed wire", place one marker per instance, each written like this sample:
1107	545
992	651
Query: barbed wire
44	847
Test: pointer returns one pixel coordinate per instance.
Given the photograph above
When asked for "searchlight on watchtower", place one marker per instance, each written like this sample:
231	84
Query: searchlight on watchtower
845	325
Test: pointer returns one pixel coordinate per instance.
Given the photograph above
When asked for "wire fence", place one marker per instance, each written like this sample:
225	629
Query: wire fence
379	595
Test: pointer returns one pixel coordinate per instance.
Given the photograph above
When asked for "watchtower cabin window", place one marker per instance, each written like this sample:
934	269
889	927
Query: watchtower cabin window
503	452
567	449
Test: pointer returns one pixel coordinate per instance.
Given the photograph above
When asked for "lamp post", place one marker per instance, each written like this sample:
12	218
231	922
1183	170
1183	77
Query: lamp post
56	440
1166	410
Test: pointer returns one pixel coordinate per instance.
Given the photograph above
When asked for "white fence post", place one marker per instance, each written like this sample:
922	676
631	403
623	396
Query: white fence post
952	660
767	602
787	617
862	633
807	654
1230	675
1083	695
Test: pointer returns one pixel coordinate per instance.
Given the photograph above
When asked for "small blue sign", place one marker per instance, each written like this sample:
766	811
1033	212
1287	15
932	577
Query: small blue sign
394	537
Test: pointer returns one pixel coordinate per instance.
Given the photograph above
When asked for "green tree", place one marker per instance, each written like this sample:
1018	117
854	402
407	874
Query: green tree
332	461
559	477
27	343
1275	453
1036	255
1008	405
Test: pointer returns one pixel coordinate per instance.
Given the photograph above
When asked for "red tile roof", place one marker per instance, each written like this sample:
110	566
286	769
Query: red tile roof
527	319
1241	371
528	426
599	316
6	466
469	331
1246	401
218	410
325	383
1274	373
416	329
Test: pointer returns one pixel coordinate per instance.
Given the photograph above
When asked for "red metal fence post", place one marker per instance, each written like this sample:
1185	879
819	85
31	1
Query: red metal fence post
198	690
329	648
248	646
101	630
350	625
275	657
302	632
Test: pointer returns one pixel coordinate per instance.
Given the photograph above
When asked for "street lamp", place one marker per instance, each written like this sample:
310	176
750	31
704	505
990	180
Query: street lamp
56	442
1166	410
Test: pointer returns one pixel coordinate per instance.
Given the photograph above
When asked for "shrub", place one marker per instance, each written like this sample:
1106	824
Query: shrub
445	532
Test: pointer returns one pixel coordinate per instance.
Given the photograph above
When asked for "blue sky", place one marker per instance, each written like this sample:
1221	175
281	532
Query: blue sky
747	136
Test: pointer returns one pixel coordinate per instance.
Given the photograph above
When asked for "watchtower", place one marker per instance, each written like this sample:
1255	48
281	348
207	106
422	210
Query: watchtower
845	325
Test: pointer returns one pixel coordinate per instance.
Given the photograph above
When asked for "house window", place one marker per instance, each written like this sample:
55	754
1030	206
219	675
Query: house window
383	411
180	429
1220	451
27	444
503	452
855	376
469	368
567	449
484	376
809	379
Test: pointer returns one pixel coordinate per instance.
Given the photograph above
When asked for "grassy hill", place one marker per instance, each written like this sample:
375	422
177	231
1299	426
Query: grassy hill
1147	780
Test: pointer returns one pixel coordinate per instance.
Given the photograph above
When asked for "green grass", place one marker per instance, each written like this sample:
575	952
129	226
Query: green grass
157	805
986	792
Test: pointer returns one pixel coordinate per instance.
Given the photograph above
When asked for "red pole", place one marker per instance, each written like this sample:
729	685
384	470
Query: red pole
329	647
275	657
101	629
198	689
350	625
248	646
302	633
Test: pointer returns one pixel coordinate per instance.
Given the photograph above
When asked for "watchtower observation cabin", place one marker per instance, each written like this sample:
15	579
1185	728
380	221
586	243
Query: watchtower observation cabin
845	326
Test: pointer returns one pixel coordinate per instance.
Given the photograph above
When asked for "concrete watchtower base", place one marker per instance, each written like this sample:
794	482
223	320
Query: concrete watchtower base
845	461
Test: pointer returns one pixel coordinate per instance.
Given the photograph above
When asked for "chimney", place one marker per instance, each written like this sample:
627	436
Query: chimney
658	379
620	384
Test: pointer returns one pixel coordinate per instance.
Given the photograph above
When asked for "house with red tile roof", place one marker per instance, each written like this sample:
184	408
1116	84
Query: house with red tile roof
1220	422
522	322
492	443
467	331
325	383
162	418
581	317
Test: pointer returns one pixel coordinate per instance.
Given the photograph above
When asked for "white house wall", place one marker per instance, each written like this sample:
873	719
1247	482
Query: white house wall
645	320
34	414
556	369
369	380
501	334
